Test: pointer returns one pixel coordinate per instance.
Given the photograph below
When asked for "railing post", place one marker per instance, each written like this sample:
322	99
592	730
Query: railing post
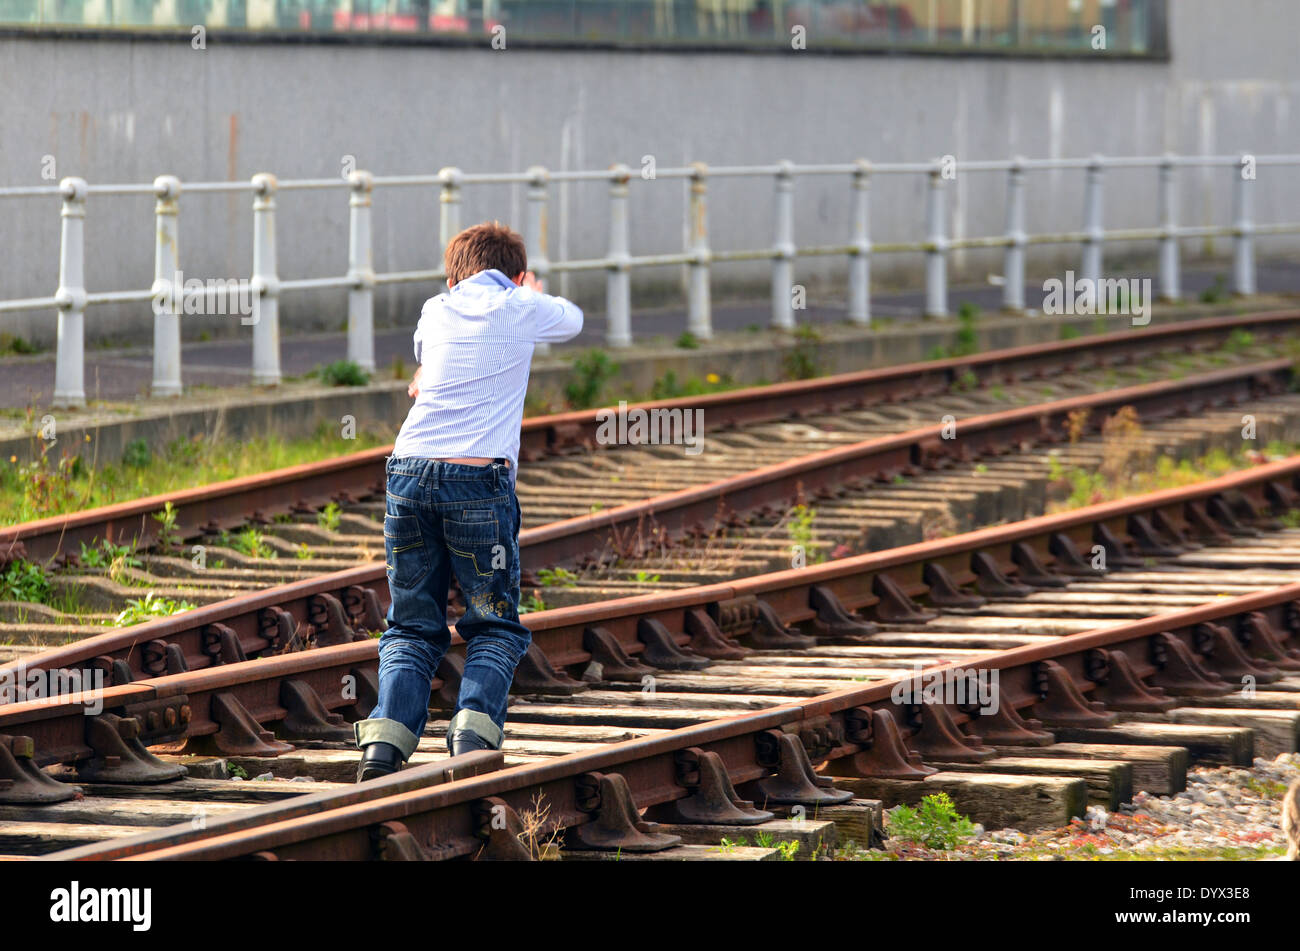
1093	234
1013	267
699	320
70	298
618	282
1169	289
266	284
936	252
535	232
166	295
449	209
860	239
1243	240
361	273
783	250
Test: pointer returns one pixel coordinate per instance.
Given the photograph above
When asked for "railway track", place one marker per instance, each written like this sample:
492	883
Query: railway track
877	492
673	705
235	502
344	606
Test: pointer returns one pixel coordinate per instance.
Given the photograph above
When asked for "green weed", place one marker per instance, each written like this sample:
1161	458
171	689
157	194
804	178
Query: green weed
139	610
252	543
934	823
329	517
801	362
591	372
343	373
557	578
24	581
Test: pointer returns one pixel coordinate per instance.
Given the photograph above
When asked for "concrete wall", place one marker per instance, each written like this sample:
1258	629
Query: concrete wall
127	110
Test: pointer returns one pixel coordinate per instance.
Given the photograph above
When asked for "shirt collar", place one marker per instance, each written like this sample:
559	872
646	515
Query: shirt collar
486	278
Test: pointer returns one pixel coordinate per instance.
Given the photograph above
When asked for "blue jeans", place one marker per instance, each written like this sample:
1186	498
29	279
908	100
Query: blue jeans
445	520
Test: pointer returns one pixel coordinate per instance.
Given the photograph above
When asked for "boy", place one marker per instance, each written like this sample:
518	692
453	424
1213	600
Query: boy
451	507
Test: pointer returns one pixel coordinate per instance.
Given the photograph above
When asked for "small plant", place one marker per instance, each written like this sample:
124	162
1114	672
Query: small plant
1266	788
123	559
667	387
329	517
644	577
1077	424
343	373
967	340
1122	448
24	581
532	604
1239	340
801	362
557	578
136	454
92	556
787	848
252	543
139	610
1055	469
105	553
236	771
17	345
533	832
47	489
591	371
800	529
166	520
303	552
688	341
967	381
1216	292
934	823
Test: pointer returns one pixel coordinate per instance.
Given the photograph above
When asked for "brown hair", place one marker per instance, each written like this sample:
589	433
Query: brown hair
489	245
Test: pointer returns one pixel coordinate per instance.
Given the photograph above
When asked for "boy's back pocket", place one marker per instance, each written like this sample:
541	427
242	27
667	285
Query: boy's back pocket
474	545
406	557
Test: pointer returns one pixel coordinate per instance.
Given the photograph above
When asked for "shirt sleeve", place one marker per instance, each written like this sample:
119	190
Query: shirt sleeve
556	319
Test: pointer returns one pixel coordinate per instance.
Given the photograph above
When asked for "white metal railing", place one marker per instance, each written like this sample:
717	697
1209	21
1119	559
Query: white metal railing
71	299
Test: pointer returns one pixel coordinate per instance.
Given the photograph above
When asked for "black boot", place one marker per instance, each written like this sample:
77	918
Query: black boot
378	759
467	741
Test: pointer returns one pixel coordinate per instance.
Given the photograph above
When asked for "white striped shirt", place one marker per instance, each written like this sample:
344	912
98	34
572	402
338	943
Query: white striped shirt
474	344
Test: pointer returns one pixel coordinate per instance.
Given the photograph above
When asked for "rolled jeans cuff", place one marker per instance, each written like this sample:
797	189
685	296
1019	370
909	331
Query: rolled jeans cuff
382	730
478	723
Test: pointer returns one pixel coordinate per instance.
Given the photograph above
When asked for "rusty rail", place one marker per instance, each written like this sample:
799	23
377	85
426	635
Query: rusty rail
343	606
310	486
1081	680
225	709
